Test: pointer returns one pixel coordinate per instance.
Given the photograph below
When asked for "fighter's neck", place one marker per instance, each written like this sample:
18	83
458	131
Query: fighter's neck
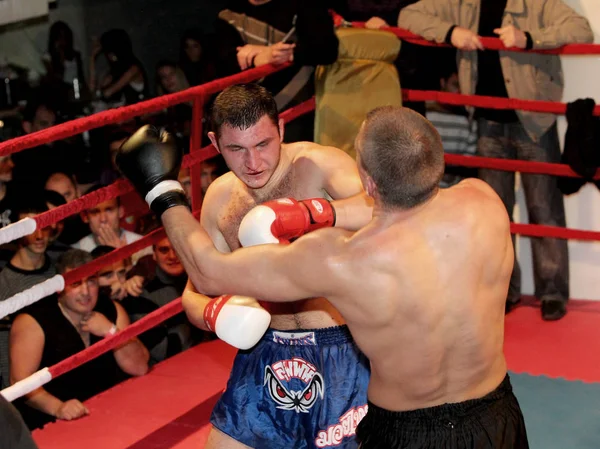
278	179
387	215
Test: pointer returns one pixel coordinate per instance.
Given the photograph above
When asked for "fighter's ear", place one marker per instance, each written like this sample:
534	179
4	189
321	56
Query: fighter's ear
370	187
281	129
213	139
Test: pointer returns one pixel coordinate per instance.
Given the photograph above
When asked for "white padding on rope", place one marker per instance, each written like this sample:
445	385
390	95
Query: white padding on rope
17	230
26	297
160	188
27	385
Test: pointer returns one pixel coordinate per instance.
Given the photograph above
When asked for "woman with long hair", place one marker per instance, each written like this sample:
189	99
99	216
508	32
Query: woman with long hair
126	81
195	58
63	63
170	79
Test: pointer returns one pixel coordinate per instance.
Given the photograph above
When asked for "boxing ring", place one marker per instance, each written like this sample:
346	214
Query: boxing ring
551	362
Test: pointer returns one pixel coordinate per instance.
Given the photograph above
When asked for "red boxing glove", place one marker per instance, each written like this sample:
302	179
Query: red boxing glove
285	219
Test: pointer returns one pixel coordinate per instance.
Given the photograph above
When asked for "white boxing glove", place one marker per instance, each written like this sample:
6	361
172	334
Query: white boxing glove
237	320
285	219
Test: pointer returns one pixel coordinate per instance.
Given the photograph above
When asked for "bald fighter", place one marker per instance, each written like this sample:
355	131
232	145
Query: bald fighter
422	287
331	375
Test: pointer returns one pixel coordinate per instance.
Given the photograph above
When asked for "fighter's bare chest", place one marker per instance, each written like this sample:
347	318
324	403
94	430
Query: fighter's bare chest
241	202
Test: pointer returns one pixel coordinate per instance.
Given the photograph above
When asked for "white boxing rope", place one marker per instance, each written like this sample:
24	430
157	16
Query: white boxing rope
27	385
17	230
27	297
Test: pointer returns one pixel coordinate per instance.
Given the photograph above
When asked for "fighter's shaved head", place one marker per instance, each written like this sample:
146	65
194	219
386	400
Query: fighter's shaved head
402	152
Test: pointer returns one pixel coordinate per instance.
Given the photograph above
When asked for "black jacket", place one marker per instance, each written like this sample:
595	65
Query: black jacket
582	145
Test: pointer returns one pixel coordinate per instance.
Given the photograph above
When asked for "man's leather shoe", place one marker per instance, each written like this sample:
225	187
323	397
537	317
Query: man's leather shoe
553	310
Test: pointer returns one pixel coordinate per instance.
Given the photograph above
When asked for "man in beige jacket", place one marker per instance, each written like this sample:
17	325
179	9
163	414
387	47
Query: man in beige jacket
527	24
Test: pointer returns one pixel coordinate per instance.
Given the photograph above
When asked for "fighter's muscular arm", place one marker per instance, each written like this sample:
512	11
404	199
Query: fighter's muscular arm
194	302
340	179
307	268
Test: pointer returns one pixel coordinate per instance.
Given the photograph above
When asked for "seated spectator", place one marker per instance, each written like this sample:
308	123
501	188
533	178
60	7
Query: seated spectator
60	326
34	165
196	58
115	136
185	180
111	280
170	79
74	228
7	194
55	246
210	170
126	81
30	264
64	184
163	285
169	277
458	132
104	222
26	267
64	69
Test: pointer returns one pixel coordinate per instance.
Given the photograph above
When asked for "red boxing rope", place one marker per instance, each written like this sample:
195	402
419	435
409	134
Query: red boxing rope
114	256
540	168
118	188
148	322
482	101
533	230
490	43
301	109
122	186
125	113
199	156
493	43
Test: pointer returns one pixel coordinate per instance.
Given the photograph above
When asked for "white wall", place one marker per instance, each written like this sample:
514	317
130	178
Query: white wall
24	44
582	80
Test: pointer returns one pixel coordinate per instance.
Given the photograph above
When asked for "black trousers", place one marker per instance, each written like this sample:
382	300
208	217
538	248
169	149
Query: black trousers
494	421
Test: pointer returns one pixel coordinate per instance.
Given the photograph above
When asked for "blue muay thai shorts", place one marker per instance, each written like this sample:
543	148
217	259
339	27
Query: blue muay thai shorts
296	389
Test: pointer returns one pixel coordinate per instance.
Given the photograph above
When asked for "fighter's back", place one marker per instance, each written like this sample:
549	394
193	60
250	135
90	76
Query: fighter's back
429	287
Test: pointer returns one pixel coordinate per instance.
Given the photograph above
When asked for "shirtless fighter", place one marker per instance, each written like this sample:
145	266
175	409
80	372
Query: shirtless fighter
422	286
309	336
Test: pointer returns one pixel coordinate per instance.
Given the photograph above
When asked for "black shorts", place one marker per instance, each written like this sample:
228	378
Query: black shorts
493	421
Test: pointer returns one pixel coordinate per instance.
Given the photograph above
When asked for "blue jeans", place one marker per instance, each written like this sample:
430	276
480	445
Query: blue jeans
545	204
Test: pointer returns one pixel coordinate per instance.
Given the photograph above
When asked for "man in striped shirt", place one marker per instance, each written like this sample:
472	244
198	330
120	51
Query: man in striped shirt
459	134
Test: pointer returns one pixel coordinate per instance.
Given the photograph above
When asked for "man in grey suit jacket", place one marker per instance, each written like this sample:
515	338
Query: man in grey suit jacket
526	24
